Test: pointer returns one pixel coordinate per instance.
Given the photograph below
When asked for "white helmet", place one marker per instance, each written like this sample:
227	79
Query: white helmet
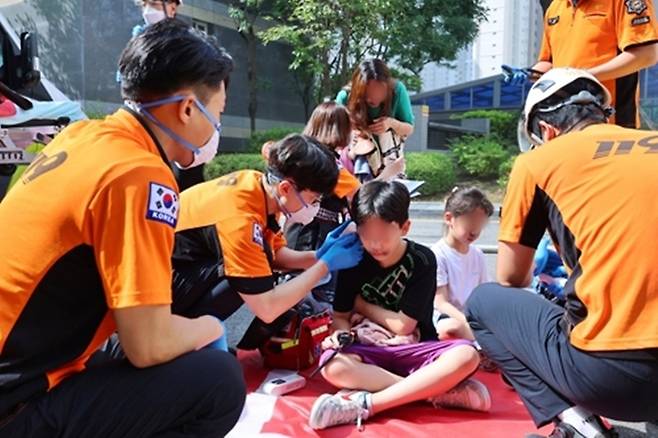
549	84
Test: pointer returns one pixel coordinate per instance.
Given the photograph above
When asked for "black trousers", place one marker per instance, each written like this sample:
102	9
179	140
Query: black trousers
200	289
522	333
200	394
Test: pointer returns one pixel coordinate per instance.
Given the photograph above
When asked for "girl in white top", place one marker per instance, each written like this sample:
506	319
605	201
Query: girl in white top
460	265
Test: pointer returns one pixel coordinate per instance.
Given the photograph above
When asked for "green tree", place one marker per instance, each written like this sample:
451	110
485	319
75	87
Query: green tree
329	38
245	13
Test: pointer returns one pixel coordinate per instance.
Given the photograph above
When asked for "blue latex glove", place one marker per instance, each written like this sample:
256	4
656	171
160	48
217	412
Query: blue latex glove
331	238
515	76
221	343
345	253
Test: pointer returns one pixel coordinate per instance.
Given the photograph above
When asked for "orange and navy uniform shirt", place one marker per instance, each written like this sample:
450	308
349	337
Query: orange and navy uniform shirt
595	191
225	222
589	33
88	229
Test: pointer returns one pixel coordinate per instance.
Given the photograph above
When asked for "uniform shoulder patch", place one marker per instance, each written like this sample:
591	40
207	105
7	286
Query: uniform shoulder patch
257	235
162	204
635	6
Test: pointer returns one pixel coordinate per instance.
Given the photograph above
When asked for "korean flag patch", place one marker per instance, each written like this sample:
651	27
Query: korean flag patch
162	204
257	235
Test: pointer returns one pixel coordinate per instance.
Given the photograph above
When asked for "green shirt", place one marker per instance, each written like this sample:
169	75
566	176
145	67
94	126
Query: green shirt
400	107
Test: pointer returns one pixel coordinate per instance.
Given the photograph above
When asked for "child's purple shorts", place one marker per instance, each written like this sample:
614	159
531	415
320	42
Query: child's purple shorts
400	359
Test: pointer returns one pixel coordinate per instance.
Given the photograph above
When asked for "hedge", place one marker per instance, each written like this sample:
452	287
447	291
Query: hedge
502	125
224	164
436	169
275	134
504	170
479	157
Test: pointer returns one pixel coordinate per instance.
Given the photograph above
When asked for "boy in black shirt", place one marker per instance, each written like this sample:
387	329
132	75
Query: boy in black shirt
393	286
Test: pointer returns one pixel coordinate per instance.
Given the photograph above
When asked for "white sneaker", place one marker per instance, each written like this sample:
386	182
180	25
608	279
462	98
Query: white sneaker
469	394
332	410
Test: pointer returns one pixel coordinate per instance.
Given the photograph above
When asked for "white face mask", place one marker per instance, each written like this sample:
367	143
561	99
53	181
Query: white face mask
202	154
304	215
152	15
206	152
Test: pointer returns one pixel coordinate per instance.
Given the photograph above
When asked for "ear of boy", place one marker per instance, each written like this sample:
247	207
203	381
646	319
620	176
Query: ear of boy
405	227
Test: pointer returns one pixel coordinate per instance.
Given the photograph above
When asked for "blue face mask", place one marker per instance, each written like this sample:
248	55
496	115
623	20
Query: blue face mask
141	108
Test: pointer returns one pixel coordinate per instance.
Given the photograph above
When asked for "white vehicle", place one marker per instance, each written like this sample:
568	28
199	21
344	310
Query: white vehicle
32	109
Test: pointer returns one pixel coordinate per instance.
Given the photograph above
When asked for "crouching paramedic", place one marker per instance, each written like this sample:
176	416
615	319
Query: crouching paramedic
594	187
87	236
228	241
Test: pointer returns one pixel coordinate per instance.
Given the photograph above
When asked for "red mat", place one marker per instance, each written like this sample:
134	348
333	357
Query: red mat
508	417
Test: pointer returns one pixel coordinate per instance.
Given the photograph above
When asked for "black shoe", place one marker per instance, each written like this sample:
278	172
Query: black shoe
564	430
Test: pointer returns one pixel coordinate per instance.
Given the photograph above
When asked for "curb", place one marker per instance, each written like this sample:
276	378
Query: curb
426	209
434	210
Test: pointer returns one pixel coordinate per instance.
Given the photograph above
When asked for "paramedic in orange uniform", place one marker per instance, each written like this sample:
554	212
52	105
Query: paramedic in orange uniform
594	187
86	242
612	39
228	241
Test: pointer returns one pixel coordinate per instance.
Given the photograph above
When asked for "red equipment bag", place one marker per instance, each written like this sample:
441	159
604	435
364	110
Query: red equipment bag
299	345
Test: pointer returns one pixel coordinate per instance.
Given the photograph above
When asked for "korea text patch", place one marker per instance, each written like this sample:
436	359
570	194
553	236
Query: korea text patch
162	204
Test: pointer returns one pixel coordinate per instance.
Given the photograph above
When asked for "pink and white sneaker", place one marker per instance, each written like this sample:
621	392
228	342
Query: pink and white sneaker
469	394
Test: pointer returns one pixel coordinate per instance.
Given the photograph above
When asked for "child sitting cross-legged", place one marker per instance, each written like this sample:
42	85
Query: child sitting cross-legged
387	301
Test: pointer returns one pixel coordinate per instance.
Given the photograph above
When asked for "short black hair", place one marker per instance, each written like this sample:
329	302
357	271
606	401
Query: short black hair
388	201
306	162
464	200
171	55
567	117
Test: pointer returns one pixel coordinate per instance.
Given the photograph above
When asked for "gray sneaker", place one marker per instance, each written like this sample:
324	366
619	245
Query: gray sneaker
343	408
469	394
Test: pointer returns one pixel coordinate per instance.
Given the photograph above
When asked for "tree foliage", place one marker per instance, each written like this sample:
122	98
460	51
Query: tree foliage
330	37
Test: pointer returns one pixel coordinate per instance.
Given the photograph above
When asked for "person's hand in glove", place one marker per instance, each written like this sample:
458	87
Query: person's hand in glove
220	343
345	253
514	75
331	238
519	76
